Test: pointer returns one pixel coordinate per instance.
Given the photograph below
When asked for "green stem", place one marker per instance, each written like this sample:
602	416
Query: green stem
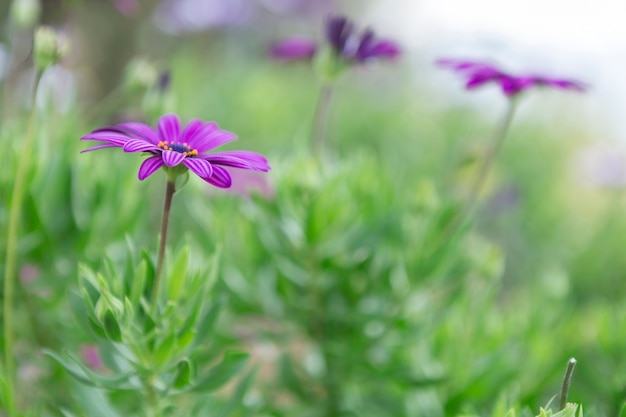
170	189
10	268
498	140
567	380
320	119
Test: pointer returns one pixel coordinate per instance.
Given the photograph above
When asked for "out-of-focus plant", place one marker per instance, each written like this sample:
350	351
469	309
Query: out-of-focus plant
343	48
49	47
478	74
350	289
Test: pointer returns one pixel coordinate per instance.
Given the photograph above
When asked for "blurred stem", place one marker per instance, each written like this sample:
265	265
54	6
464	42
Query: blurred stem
320	119
170	189
152	400
567	379
498	140
320	329
10	269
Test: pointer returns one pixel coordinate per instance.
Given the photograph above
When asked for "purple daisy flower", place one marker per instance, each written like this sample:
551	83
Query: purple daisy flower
480	73
171	147
345	42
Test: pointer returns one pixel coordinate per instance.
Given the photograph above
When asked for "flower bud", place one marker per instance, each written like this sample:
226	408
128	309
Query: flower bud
50	47
25	13
140	74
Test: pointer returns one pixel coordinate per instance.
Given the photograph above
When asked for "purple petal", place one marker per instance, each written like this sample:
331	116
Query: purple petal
196	137
139	145
149	166
220	178
384	49
107	136
139	131
239	159
190	131
338	30
200	167
294	48
93	148
169	128
172	158
514	85
213	140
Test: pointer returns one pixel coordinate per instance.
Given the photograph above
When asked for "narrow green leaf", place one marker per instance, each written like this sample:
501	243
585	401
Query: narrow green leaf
229	367
164	351
111	327
205	327
184	374
139	282
82	373
178	276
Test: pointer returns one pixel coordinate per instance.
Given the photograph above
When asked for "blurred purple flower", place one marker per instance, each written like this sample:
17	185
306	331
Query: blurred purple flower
29	273
91	356
345	42
603	166
170	147
477	74
128	8
294	48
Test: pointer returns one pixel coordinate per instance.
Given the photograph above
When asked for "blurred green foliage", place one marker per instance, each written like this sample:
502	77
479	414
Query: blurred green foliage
344	283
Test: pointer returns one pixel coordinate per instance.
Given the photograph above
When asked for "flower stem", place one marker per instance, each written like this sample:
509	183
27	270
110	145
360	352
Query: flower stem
567	379
170	189
10	268
499	137
320	119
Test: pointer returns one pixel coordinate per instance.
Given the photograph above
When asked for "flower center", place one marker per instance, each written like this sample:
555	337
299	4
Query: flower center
177	147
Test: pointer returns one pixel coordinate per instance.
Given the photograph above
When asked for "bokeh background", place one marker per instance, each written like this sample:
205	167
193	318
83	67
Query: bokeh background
489	320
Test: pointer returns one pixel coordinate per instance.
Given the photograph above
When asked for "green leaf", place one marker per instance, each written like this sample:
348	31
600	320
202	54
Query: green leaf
184	373
178	276
164	351
205	327
231	365
139	282
83	374
111	327
96	328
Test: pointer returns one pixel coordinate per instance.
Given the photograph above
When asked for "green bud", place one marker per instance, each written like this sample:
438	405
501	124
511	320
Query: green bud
329	66
25	13
140	74
50	47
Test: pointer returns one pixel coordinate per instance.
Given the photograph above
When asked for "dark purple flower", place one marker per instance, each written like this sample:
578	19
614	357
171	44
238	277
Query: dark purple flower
477	74
170	147
344	41
294	48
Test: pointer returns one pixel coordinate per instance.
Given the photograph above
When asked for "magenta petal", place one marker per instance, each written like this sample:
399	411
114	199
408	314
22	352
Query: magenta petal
139	131
149	166
172	158
93	148
138	145
294	48
200	167
197	137
214	140
190	131
169	128
239	159
387	49
220	178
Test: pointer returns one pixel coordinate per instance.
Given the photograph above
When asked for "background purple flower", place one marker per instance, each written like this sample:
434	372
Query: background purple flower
342	37
478	73
172	147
